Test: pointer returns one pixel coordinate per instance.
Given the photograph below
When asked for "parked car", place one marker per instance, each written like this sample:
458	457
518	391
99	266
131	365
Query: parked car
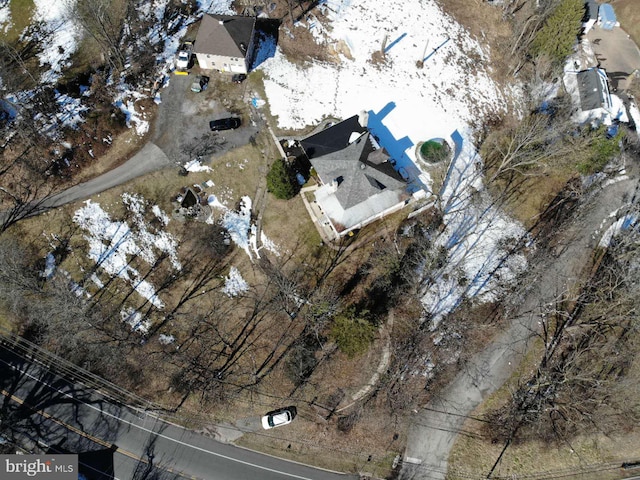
238	78
184	56
278	418
200	84
230	123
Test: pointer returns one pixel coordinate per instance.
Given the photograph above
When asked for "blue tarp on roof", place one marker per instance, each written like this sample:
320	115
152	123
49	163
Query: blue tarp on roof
607	17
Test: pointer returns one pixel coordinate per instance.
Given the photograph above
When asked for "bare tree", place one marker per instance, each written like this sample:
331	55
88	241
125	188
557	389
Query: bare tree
104	21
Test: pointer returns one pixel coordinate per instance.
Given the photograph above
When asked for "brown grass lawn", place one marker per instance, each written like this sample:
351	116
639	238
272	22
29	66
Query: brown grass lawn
21	12
628	14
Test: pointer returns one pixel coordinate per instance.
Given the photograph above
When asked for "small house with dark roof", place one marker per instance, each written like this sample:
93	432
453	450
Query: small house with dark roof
590	15
593	87
358	183
225	43
591	97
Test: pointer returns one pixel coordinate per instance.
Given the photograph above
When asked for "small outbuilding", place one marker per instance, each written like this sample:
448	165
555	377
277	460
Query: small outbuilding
607	16
590	15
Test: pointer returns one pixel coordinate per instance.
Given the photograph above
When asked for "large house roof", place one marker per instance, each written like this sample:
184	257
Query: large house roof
332	139
593	89
227	35
356	168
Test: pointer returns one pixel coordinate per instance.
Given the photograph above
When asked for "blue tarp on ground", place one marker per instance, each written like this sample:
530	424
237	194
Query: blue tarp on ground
607	17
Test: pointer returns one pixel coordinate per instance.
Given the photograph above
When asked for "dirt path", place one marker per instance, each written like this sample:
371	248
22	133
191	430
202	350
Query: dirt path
436	426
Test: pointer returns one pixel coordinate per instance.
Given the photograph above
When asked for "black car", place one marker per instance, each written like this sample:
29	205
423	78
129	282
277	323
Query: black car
238	78
224	124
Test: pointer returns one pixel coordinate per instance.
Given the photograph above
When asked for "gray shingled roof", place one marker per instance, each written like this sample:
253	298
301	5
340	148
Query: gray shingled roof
359	170
229	38
591	8
331	139
593	89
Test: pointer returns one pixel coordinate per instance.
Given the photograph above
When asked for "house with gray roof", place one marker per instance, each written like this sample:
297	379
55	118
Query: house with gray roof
591	97
225	43
593	88
358	182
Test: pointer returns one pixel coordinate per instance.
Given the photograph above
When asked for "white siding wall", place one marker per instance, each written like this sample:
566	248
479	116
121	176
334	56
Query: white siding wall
220	63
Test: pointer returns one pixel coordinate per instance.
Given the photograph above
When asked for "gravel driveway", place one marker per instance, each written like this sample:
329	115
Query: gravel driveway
184	116
617	54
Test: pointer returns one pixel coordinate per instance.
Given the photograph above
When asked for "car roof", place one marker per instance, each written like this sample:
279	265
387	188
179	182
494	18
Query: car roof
281	417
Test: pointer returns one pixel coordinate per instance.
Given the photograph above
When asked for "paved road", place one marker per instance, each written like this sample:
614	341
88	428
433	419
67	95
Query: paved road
436	426
132	435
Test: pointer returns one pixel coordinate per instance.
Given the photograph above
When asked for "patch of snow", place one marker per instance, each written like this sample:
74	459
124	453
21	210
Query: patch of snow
622	223
234	284
133	118
95	279
214	202
166	339
477	238
238	224
70	110
5	17
112	244
269	244
59	36
217	6
49	266
196	166
135	320
160	214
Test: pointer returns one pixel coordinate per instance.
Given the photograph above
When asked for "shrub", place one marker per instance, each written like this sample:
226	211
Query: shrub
559	33
352	332
601	151
281	180
434	151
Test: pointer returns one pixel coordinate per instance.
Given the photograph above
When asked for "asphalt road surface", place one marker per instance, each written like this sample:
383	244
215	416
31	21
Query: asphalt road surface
53	411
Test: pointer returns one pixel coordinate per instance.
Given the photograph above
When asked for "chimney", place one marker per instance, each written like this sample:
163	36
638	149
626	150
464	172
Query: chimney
363	118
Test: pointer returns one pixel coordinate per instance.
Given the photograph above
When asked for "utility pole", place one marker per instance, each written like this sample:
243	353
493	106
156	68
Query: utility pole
420	62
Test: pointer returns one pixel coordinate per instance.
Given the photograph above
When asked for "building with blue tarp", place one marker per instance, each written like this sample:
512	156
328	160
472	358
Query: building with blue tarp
607	17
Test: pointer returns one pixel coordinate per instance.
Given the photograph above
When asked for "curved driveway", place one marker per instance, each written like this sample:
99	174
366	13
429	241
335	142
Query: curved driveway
147	160
181	120
436	426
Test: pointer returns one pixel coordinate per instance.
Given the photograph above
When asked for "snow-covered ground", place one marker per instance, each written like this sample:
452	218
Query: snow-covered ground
5	17
61	35
478	237
415	104
242	232
113	244
407	105
234	284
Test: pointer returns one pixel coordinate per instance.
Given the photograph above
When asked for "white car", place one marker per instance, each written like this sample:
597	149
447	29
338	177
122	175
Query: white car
277	418
183	60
